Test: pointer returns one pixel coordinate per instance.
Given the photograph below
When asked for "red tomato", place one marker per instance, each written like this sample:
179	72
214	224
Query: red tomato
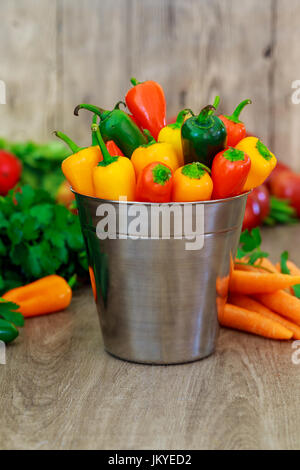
257	207
229	172
10	171
286	185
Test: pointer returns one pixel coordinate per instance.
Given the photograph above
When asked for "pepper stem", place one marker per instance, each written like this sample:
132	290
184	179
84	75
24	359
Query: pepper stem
94	139
150	137
216	102
90	107
74	147
180	118
208	110
117	106
236	113
205	113
134	81
107	158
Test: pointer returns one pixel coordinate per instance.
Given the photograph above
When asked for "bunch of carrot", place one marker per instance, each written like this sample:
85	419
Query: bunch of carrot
262	301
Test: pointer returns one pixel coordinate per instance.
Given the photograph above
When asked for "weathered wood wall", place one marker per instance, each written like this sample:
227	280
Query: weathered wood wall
57	53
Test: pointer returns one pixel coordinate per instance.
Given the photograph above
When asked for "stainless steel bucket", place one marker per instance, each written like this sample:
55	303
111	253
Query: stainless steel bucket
156	299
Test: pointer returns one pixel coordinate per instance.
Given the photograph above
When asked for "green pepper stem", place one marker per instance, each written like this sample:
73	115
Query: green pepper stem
94	109
117	106
74	147
107	158
180	118
216	102
94	139
134	81
205	113
150	137
236	113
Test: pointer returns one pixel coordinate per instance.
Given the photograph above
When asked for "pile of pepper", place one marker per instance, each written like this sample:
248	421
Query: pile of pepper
136	155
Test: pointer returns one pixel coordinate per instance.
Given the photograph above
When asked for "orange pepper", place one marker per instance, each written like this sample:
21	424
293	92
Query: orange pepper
192	183
160	152
47	295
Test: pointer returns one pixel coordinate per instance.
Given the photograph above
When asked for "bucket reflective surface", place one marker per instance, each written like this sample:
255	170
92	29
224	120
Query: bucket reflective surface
157	301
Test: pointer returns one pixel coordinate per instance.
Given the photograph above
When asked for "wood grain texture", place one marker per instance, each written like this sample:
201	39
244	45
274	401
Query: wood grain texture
28	68
55	54
60	390
286	136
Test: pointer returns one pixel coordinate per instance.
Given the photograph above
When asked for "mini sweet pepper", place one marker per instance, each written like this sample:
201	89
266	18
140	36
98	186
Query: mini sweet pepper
171	134
192	182
113	177
155	183
118	126
154	152
147	103
203	136
46	295
78	167
262	161
235	128
229	172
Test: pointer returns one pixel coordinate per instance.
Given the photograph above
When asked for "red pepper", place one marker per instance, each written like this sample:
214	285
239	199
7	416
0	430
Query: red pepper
229	172
113	149
155	183
235	128
257	207
146	101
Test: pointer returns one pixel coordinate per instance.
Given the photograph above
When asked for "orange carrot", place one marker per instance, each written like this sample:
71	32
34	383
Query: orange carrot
252	322
283	303
248	303
295	271
245	282
261	265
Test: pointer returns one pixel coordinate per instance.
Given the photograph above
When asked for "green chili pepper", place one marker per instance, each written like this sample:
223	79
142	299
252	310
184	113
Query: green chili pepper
118	126
203	136
8	331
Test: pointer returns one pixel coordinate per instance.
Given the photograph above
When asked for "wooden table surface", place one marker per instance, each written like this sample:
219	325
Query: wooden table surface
60	390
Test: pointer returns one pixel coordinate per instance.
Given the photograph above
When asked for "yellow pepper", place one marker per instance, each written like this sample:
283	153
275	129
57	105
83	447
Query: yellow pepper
171	134
113	177
192	183
262	161
154	152
78	168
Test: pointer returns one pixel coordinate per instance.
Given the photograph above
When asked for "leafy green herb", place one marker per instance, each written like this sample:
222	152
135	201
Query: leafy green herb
9	320
249	247
280	212
38	238
8	312
285	270
41	163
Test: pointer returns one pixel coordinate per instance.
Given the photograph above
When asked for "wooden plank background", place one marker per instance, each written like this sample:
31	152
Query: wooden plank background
57	53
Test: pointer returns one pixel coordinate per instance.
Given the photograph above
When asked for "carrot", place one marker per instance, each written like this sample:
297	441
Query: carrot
252	322
267	264
294	270
222	285
283	303
248	303
261	265
257	283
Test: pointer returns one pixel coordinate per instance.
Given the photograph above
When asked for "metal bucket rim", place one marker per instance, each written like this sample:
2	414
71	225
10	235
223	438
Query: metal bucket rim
171	203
